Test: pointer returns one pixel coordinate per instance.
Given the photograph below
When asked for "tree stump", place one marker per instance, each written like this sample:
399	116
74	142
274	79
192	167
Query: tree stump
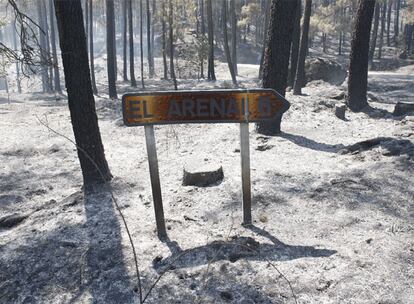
202	174
402	108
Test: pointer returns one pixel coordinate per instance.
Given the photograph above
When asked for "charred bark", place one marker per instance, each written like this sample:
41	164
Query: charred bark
226	43
300	70
80	97
110	48
358	65
277	54
210	34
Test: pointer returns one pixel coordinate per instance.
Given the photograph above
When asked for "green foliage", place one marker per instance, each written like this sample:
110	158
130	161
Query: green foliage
332	18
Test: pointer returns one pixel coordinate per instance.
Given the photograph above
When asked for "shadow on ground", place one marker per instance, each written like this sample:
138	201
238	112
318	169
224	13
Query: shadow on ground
80	260
235	249
311	144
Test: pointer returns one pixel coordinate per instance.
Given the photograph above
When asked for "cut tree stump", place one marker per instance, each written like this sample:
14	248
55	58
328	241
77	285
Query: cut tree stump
202	174
340	112
402	108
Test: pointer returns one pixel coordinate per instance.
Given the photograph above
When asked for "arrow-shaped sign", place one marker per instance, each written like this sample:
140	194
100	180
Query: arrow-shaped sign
215	106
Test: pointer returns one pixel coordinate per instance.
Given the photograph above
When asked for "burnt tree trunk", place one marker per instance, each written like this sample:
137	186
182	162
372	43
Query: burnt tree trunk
203	35
226	43
91	49
374	33
149	46
141	45
266	25
381	37
164	40
43	47
397	21
110	48
277	54
295	46
171	31
300	70
390	2
49	57
358	65
80	97
210	34
18	82
131	45
56	73
233	24
124	40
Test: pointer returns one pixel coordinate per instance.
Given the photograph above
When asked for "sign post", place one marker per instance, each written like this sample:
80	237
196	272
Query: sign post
215	106
155	180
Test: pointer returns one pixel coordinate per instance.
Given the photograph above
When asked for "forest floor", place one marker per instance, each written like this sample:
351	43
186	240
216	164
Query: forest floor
329	226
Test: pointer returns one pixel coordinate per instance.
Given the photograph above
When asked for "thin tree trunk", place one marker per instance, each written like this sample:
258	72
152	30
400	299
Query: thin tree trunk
295	46
300	71
210	33
171	30
141	46
153	23
149	47
124	40
80	98
374	33
203	35
42	44
381	38
163	37
233	24
56	73
110	46
358	59
18	83
49	57
390	2
226	43
131	45
91	49
277	55
397	21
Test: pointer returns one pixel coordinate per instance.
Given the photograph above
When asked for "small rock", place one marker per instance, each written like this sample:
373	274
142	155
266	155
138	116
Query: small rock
157	259
237	150
368	241
339	96
193	286
226	295
264	147
187	218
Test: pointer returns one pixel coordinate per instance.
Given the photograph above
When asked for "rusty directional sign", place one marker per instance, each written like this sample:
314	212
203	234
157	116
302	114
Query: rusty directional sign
215	106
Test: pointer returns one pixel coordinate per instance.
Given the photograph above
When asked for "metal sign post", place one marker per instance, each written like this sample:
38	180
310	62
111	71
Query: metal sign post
216	106
155	180
245	173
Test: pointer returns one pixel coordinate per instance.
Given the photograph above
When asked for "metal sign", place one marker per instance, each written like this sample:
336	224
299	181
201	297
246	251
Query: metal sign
216	106
219	106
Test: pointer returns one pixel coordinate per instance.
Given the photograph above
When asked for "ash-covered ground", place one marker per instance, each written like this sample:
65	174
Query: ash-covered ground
333	223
